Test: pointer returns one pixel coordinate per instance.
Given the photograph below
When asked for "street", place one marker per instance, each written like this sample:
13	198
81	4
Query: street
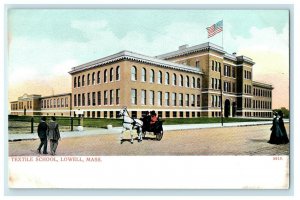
246	140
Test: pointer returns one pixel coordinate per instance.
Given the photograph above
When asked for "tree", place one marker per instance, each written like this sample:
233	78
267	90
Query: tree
285	111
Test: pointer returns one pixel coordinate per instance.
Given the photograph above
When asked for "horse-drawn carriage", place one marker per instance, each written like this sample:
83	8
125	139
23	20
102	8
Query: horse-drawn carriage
142	126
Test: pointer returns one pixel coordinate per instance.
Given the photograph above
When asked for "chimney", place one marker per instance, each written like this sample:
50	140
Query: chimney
234	53
182	47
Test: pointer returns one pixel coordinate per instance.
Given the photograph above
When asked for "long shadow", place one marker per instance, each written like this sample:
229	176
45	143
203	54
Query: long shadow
259	140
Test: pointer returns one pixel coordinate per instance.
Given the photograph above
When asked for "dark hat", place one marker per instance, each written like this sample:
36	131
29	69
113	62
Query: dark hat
152	112
43	118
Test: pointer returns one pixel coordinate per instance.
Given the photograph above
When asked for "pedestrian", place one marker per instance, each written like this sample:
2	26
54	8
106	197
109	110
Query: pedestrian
285	138
276	134
42	133
53	135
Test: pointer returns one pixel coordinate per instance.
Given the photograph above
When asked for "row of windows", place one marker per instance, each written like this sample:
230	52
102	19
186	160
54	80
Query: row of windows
247	74
133	114
92	79
262	93
262	104
227	86
215	101
175	81
165	98
247	89
55	103
95	98
188	62
20	105
229	71
247	103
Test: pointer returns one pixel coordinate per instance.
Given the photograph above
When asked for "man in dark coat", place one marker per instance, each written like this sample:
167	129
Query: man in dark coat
42	133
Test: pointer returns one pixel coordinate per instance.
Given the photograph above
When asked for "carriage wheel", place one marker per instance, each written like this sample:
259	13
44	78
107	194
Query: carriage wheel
159	135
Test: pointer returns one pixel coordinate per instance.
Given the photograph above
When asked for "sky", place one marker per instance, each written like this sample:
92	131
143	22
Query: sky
44	44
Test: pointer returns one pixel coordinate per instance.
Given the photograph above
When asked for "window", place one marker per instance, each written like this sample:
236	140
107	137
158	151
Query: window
168	114
78	81
54	103
159	77
133	97
88	79
174	114
198	100
118	96
111	97
105	76
66	102
193	100
50	103
79	100
98	77
75	83
94	98
58	103
143	97
83	99
151	97
180	99
118	73
174	79
111	114
193	82
174	103
133	73
93	114
198	83
212	65
233	72
111	74
197	63
144	75
187	100
167	78
152	76
82	80
89	99
187	81
93	78
159	98
181	80
105	97
167	98
99	97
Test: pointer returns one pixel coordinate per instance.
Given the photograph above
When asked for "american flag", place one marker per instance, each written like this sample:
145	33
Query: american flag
215	28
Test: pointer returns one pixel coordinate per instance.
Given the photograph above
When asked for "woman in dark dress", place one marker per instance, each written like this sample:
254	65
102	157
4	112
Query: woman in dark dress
276	135
285	138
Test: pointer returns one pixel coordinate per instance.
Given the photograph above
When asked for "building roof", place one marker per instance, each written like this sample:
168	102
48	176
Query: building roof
183	50
29	97
128	55
264	85
56	95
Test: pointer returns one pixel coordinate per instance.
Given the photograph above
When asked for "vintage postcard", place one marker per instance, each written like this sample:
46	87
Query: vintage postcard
148	98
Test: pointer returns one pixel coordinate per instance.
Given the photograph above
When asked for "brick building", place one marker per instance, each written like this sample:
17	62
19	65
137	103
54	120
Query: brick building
179	84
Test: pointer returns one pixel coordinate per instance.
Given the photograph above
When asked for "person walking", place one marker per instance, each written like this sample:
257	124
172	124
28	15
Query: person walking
42	133
276	134
285	138
53	135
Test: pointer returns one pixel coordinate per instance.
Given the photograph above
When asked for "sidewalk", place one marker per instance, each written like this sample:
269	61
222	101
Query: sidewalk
117	130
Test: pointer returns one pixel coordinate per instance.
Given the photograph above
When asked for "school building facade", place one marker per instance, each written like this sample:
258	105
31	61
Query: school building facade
188	82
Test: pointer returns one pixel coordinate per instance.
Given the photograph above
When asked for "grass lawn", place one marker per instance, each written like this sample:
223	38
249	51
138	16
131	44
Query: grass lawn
103	122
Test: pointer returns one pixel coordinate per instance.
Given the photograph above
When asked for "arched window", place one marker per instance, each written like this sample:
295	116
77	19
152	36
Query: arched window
105	76
118	73
187	81
78	81
167	78
82	80
181	80
193	82
111	75
133	73
88	79
152	75
93	78
159	77
75	82
98	77
174	79
144	77
198	83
